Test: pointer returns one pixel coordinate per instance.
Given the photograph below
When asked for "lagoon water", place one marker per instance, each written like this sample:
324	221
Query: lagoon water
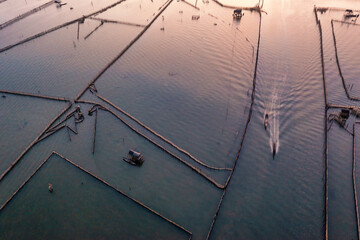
190	82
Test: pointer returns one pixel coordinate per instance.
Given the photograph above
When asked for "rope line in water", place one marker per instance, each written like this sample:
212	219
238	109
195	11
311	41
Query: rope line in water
33	143
159	135
327	106
117	22
243	136
324	9
34	95
197	170
97	27
60	26
123	51
102	181
339	68
184	1
24	15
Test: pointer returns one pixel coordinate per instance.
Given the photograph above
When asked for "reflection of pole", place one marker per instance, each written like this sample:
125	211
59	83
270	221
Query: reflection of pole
93	147
78	30
354	185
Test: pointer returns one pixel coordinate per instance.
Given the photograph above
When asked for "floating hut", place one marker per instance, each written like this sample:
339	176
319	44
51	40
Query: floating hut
134	158
238	13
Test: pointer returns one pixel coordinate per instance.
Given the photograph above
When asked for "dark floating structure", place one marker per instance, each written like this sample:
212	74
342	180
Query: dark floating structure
238	13
134	158
50	187
350	14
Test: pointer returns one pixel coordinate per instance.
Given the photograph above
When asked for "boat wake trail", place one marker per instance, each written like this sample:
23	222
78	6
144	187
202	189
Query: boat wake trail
274	116
274	140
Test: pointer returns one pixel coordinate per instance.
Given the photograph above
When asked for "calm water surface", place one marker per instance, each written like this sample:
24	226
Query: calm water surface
190	81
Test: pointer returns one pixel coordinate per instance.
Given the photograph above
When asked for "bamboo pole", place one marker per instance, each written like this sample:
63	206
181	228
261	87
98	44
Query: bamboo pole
349	23
163	4
326	153
37	35
324	9
123	51
256	8
68	132
216	214
48	134
55	130
190	4
339	68
159	135
93	146
326	150
61	122
125	195
35	95
33	143
354	185
22	185
87	36
59	27
102	181
78	30
316	16
342	106
117	22
24	15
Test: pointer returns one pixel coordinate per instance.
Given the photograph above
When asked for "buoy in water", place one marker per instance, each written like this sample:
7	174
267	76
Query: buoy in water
50	187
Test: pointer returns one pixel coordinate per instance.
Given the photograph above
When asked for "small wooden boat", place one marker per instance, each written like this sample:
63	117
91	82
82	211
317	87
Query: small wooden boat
266	121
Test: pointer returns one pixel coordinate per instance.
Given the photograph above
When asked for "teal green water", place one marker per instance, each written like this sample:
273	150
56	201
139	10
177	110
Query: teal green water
191	82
